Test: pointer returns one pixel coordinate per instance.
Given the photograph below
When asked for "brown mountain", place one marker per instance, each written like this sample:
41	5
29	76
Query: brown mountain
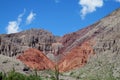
17	43
35	59
101	37
71	51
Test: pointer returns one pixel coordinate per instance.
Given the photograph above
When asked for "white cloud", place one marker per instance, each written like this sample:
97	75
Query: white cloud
89	6
13	26
20	16
30	17
118	0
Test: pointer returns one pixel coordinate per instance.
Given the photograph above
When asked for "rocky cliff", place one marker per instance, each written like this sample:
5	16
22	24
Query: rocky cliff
17	43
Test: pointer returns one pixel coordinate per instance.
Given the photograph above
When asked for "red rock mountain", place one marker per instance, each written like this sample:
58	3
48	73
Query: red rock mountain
70	51
35	59
77	47
77	57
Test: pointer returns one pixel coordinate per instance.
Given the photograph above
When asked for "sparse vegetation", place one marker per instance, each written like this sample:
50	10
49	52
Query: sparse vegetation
56	73
98	68
5	61
12	75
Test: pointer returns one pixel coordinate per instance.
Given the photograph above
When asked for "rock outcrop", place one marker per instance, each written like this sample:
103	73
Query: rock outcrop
15	44
35	59
77	57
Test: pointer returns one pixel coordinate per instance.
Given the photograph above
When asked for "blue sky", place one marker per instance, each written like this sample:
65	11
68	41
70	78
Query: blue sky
57	16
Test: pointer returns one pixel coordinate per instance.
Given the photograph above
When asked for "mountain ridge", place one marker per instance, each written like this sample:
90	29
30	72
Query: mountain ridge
70	51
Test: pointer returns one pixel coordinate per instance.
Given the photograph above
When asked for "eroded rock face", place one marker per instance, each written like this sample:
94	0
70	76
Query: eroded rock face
106	61
71	40
14	44
77	57
69	52
35	59
104	36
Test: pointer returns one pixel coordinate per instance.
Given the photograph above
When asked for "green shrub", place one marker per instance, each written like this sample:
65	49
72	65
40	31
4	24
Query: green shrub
57	73
12	75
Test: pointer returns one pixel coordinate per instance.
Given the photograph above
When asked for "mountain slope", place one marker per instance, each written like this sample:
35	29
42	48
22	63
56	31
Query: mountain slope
91	47
101	36
35	59
79	46
105	64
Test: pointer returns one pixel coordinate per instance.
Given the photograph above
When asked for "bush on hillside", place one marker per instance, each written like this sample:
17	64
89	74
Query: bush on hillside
12	75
